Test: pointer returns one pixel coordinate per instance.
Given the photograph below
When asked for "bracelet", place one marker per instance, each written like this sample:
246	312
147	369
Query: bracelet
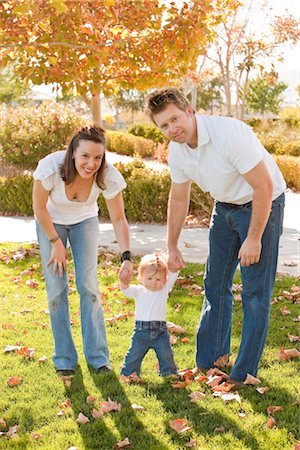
126	256
54	239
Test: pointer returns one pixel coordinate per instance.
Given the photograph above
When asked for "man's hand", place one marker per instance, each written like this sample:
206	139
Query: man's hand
249	252
175	260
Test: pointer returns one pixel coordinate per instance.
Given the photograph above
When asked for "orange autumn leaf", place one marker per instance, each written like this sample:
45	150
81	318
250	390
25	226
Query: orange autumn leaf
250	379
216	371
13	381
273	409
186	373
181	384
214	380
223	361
201	378
180	425
36	436
271	422
223	387
288	353
185	340
27	353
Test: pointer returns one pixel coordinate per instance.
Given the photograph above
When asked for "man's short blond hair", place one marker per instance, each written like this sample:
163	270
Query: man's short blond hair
158	100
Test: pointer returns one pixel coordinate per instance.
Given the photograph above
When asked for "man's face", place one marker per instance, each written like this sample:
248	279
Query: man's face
177	125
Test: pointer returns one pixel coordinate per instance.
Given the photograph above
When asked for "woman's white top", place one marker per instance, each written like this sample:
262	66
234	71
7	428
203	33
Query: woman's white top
151	305
67	212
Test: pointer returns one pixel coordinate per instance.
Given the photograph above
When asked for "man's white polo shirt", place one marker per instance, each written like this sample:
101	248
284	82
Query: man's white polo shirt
227	149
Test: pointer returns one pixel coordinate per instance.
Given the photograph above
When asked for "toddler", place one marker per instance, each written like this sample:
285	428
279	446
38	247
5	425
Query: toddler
150	316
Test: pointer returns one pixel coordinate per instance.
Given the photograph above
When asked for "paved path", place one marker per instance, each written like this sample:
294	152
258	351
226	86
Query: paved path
193	243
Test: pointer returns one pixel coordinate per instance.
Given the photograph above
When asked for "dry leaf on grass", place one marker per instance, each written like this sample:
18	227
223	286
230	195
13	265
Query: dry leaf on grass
250	379
273	409
90	399
186	373
223	387
133	378
196	396
109	406
201	378
123	444
223	361
227	397
285	311
12	431
33	284
219	430
137	407
214	380
176	329
3	425
262	390
191	444
180	425
13	381
293	338
97	414
43	359
82	419
181	384
60	413
215	371
27	353
271	422
36	436
66	404
11	348
288	353
185	340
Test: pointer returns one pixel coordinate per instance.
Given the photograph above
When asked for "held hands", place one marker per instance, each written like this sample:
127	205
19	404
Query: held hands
175	260
125	273
249	252
58	258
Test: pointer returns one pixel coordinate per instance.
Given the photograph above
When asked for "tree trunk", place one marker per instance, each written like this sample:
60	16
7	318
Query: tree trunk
96	108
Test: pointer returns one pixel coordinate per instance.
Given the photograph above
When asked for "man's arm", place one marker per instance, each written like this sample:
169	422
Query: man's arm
179	200
260	180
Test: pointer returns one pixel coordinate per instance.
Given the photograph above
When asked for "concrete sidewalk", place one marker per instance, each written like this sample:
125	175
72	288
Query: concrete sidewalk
193	243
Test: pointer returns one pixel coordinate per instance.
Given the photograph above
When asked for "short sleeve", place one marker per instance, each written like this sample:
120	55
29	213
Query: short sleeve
177	174
246	151
47	170
114	182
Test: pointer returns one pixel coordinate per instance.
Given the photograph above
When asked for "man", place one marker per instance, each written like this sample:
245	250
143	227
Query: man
224	157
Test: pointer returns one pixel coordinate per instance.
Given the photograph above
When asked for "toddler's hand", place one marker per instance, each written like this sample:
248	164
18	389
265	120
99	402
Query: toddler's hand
125	275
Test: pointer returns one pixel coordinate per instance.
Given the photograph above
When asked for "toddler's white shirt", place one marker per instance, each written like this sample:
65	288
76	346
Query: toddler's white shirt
151	305
67	212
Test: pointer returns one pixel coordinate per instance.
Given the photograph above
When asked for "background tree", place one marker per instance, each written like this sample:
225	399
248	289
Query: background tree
264	93
12	89
93	47
243	44
209	92
128	100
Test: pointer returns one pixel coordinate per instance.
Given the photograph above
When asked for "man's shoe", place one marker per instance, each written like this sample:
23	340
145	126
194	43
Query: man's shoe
236	384
65	372
103	369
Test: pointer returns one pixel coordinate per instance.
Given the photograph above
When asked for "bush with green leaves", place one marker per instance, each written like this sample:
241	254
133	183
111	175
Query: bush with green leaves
148	131
29	134
127	144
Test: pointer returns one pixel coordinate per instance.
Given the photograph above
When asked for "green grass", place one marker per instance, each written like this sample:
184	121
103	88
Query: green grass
33	404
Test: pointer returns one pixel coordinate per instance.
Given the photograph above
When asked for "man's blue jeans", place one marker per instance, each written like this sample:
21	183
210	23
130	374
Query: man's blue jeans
229	228
83	239
148	335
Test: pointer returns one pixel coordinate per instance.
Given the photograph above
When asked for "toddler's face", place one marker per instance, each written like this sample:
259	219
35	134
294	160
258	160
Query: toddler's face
153	281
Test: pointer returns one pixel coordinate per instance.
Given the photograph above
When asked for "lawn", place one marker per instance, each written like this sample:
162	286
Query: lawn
45	408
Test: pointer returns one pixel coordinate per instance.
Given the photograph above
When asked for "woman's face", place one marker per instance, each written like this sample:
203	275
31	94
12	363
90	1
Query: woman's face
87	158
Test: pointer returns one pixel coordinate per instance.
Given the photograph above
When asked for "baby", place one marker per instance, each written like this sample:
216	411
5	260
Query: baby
150	316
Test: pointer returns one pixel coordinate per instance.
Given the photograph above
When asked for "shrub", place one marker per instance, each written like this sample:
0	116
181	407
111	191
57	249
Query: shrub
291	116
29	134
290	168
148	131
279	145
16	195
127	144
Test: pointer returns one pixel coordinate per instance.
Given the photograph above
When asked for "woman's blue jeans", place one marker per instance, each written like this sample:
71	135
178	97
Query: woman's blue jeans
83	239
148	335
229	228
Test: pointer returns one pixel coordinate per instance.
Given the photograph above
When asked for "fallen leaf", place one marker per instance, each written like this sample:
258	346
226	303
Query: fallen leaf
250	379
97	414
27	353
214	380
123	444
241	414
196	396
36	436
13	381
191	444
274	409
90	399
215	371
227	397
82	419
219	430
223	361
133	378
73	448
296	319
173	340
262	390
288	353
293	338
26	311
65	404
223	387
11	348
12	431
33	284
181	384
201	378
43	359
176	329
137	407
186	373
108	406
180	425
185	340
187	245
297	445
68	383
285	311
60	413
271	422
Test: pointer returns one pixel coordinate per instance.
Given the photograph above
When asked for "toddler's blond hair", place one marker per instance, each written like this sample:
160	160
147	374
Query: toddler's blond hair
154	262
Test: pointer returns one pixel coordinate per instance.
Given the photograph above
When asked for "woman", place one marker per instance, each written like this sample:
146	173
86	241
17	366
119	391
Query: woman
66	187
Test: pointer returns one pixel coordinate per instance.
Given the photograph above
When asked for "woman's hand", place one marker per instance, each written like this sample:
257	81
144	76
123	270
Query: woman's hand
58	258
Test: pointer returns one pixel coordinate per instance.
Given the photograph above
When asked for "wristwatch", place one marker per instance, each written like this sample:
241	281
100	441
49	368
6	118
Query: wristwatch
126	256
54	239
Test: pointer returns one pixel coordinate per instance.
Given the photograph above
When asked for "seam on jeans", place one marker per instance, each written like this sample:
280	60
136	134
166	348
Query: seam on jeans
222	300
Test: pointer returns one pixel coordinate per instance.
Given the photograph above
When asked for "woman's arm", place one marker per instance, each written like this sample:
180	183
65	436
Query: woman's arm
118	219
39	202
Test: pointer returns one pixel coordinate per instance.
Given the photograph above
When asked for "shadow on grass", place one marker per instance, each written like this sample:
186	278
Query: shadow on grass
125	420
203	422
95	434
